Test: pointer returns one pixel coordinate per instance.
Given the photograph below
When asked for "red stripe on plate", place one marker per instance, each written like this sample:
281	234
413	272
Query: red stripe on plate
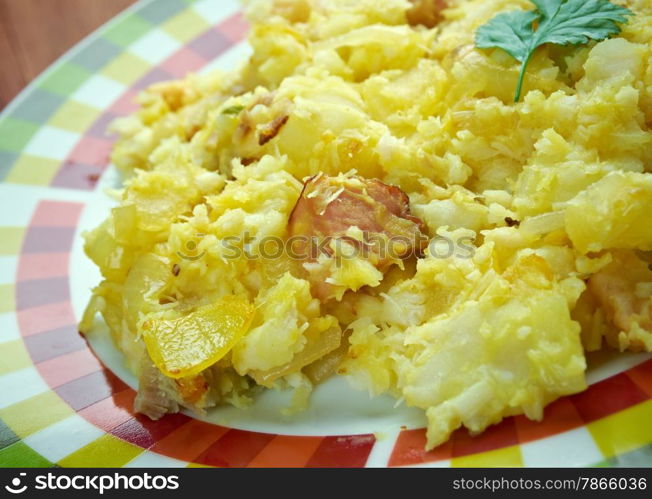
235	27
42	266
189	441
92	151
560	416
90	389
608	397
39	292
183	62
236	449
126	104
144	432
45	346
342	452
48	239
56	214
155	75
410	449
501	435
210	44
100	128
112	411
45	318
642	376
69	367
78	175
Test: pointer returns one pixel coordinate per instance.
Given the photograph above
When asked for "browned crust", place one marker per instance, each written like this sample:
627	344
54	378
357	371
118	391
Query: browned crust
272	129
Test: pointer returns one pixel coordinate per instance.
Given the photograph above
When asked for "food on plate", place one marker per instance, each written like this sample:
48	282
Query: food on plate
364	197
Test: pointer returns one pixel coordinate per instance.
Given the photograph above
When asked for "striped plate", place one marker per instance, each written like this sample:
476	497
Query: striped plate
61	405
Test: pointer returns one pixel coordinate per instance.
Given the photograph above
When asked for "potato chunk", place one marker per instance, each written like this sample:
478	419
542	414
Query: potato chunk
612	213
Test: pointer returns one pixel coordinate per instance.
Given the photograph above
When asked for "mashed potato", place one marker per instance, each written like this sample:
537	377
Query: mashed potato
515	221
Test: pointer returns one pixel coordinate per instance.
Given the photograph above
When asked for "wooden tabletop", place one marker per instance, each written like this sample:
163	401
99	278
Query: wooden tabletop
33	33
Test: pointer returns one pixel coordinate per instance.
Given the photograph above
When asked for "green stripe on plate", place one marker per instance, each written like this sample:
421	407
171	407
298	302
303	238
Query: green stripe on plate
65	79
19	455
15	134
128	30
7	437
639	458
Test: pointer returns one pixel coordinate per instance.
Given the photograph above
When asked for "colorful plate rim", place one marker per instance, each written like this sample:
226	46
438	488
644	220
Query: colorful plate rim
60	406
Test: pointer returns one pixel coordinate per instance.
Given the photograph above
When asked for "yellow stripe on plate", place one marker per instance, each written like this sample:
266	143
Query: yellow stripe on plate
507	457
35	413
197	465
185	26
7	297
11	239
105	452
14	357
623	431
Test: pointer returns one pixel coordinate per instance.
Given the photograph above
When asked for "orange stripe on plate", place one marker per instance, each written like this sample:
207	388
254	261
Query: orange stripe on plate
287	451
189	441
65	368
560	416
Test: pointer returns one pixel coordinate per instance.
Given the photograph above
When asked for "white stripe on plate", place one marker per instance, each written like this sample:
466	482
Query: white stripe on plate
20	385
214	11
8	327
52	142
28	196
155	46
569	449
8	266
152	460
99	91
382	449
63	438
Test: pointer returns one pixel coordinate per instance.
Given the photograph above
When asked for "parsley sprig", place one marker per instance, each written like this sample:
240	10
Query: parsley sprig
562	22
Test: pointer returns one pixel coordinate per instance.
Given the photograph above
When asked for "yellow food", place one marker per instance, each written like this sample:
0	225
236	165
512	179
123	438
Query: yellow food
530	210
185	346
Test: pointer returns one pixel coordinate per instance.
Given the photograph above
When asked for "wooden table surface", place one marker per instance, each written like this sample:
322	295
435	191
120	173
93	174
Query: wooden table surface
33	33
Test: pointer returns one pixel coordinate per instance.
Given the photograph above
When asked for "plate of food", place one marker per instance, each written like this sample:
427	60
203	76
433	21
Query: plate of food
333	233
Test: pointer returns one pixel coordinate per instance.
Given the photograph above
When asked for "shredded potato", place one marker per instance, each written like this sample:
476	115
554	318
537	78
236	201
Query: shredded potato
528	211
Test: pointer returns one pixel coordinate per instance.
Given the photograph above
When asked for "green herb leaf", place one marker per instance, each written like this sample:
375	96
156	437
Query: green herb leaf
233	110
562	22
